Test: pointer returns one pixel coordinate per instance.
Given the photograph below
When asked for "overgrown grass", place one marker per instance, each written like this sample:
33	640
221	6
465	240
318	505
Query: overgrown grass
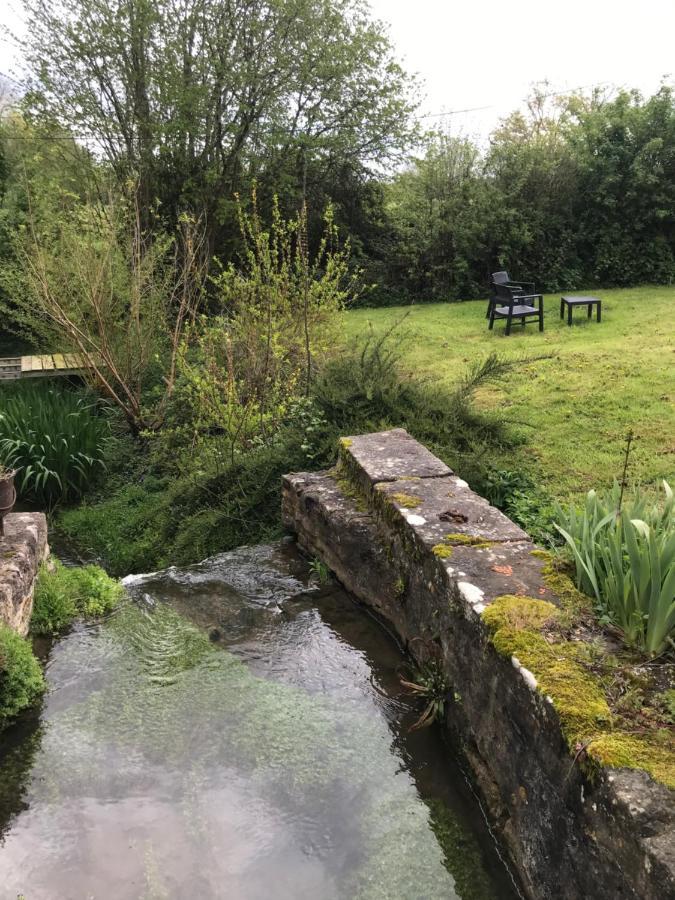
572	409
54	438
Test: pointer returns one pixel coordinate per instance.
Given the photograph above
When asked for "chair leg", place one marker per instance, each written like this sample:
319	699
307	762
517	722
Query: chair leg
541	314
508	324
562	308
492	317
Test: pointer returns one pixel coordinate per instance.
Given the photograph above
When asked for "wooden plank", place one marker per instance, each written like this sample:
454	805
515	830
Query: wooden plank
59	361
36	363
26	363
47	363
72	360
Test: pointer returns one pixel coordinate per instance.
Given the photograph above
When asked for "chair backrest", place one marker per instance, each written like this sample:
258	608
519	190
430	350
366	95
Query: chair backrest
500	277
504	294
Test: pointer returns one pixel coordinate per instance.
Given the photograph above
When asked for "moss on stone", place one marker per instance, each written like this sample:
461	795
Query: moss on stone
633	751
468	540
346	442
409	501
578	694
442	550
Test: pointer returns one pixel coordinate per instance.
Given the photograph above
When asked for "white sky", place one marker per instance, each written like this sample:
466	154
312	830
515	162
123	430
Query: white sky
475	53
487	53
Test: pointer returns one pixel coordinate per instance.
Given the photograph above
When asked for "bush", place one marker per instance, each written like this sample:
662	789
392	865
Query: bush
21	679
210	503
63	593
55	439
625	560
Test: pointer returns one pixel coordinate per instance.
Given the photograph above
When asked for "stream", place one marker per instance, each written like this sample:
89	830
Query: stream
234	731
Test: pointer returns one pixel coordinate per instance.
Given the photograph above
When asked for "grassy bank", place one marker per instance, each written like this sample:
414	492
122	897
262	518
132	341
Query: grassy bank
575	407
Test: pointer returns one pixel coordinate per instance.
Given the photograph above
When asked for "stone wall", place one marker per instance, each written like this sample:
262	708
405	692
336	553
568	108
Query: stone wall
381	523
22	548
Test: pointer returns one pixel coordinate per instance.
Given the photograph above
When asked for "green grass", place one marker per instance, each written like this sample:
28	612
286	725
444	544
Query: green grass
576	407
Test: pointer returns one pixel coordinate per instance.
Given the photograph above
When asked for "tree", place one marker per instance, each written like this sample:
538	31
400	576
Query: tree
194	99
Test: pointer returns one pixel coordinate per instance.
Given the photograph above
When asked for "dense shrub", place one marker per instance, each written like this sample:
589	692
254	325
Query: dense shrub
180	510
625	559
55	438
21	680
63	593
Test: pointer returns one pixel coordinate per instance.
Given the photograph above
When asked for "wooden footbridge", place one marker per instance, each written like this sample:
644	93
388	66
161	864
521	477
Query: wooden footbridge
46	365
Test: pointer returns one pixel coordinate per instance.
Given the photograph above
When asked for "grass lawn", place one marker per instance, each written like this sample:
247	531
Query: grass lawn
576	407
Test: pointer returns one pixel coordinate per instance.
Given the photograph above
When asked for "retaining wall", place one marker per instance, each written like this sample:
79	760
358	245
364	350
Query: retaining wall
379	522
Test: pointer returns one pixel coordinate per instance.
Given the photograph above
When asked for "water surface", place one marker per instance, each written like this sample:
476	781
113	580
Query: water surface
234	732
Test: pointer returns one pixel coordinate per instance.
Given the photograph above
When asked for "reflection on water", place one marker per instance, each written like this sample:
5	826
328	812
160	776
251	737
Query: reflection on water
231	733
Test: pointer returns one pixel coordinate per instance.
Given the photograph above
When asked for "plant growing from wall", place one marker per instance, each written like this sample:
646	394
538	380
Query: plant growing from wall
21	680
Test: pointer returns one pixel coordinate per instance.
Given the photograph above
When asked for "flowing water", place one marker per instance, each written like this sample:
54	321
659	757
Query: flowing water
233	732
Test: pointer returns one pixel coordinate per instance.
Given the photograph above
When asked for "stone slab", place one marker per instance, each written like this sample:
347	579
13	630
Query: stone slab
391	455
447	505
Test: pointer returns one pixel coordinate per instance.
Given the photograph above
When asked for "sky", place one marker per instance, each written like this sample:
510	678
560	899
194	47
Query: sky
487	53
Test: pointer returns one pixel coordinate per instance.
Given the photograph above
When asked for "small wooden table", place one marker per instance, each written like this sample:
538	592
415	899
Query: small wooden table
588	302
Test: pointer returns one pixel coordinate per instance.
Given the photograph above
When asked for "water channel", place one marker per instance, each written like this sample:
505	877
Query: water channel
233	731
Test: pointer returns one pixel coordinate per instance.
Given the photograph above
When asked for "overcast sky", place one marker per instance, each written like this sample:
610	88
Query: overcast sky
486	53
476	53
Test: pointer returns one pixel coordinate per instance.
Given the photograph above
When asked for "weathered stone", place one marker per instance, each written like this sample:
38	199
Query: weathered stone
391	455
570	837
22	548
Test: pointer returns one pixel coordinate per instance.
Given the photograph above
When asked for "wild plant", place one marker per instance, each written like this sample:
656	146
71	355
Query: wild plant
55	439
625	559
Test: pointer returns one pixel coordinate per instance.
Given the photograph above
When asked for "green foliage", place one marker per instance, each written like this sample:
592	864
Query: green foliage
21	680
625	560
430	684
319	571
577	191
298	91
62	593
55	439
242	372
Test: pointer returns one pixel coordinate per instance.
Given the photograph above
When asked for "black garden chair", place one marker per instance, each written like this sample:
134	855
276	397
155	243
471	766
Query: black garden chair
524	287
510	303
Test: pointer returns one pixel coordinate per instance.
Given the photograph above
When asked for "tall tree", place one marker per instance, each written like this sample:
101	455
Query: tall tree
194	98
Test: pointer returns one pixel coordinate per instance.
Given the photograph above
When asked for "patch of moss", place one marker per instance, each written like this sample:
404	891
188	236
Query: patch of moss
351	491
633	751
578	694
346	442
468	540
442	550
409	501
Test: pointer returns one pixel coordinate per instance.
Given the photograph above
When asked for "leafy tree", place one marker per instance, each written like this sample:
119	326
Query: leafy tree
194	99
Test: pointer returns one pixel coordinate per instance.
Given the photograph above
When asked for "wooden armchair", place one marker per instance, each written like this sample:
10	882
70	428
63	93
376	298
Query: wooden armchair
510	303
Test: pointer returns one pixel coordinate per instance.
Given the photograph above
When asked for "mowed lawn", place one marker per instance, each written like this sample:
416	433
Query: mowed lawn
576	407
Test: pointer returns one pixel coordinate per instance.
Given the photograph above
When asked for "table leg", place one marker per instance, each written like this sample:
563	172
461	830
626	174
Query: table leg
599	312
590	310
562	308
569	316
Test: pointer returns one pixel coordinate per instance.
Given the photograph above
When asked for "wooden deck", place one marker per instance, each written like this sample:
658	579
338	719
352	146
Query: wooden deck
46	365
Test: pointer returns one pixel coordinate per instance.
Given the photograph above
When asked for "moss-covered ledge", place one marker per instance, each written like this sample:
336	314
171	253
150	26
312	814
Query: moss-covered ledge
579	795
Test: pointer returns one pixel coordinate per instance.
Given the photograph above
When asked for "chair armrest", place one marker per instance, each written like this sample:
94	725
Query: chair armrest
522	284
530	296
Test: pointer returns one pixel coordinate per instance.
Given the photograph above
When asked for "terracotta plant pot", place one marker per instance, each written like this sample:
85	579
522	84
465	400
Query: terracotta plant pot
7	495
